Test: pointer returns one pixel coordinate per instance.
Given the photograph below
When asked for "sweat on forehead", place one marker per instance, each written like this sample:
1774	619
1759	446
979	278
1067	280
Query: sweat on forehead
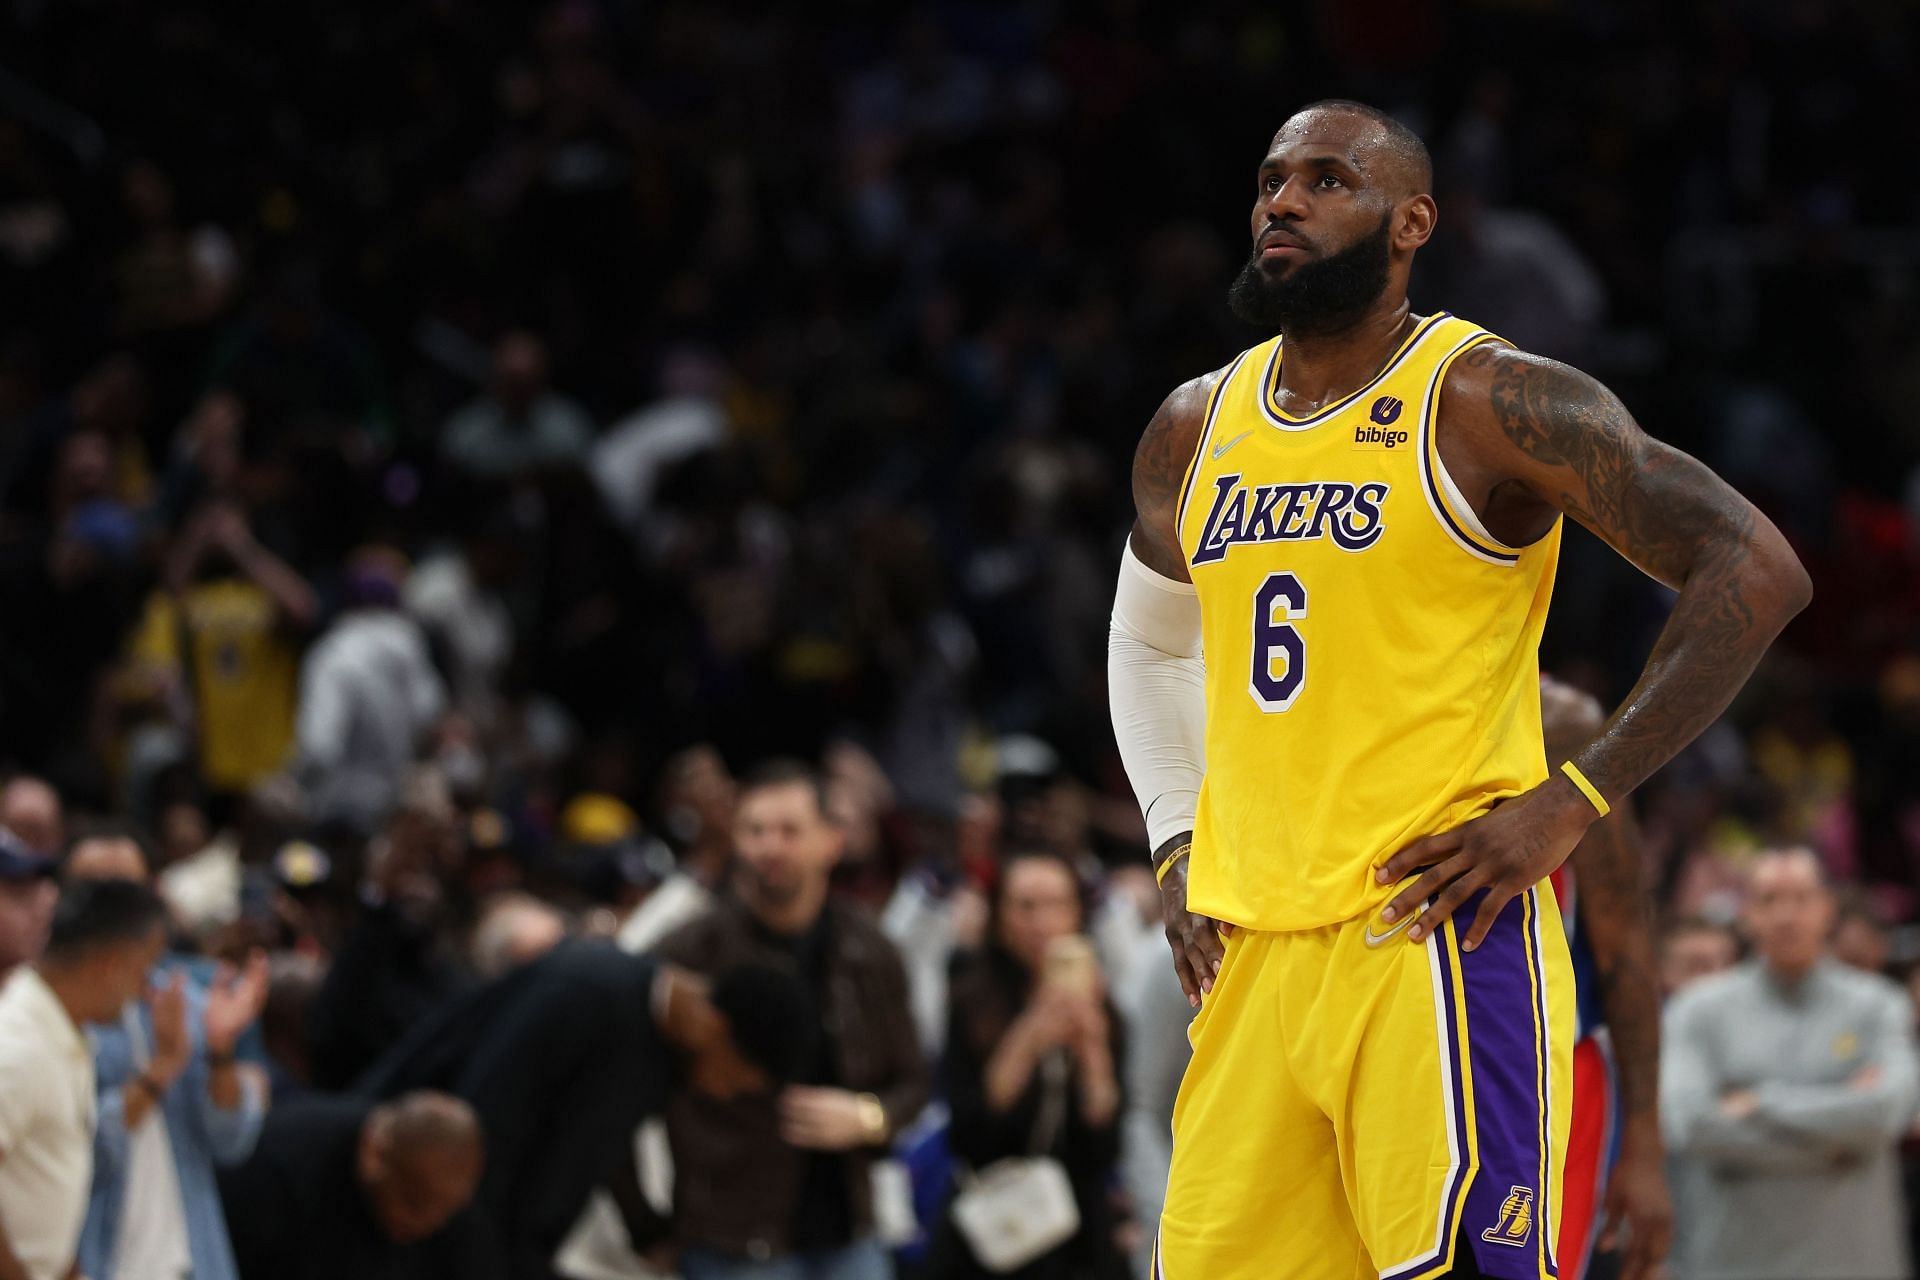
1377	144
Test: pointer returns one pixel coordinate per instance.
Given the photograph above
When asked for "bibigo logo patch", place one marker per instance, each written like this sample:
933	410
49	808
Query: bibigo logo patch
1381	435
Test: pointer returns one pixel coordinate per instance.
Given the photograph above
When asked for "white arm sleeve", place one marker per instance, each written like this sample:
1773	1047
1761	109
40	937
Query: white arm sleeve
1156	686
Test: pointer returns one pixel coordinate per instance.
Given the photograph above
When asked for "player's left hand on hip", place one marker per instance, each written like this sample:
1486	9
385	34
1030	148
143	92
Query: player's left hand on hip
1505	852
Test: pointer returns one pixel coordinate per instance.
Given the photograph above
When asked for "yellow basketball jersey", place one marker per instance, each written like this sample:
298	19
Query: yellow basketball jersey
1371	652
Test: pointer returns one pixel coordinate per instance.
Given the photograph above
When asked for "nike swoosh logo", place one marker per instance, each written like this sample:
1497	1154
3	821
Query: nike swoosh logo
1377	939
1220	450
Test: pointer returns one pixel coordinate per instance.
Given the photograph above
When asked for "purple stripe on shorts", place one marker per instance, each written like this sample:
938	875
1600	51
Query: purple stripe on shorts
1506	1206
1535	954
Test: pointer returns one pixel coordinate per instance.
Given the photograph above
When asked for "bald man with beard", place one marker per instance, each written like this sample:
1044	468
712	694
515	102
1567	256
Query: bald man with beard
1323	671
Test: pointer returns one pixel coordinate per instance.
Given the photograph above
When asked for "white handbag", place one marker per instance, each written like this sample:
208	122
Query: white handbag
1021	1207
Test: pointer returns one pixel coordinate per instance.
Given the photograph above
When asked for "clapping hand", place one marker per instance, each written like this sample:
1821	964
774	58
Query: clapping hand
234	1002
172	1047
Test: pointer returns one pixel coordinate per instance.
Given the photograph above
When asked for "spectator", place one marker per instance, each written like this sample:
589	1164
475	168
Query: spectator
368	694
298	364
677	899
397	962
1157	1014
207	457
457	596
170	277
1860	936
633	455
520	425
1789	1082
1692	949
27	895
342	1187
200	875
107	407
1047	808
174	1102
181	832
938	910
514	929
104	939
697	800
561	1059
31	809
220	636
919	920
1034	1061
74	573
293	979
767	1187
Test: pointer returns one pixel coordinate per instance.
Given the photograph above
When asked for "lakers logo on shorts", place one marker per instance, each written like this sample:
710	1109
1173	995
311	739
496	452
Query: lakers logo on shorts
1516	1219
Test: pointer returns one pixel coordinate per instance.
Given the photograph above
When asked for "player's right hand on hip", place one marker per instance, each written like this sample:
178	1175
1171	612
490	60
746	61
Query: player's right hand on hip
1195	939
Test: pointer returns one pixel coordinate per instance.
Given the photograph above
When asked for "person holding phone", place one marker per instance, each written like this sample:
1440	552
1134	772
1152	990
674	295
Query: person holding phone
1033	1065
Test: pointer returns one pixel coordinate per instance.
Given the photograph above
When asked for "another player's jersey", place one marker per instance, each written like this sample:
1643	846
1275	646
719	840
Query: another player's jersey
1371	651
1589	1016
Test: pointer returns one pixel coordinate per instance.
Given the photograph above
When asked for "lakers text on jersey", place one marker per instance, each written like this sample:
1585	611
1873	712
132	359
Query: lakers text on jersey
1370	650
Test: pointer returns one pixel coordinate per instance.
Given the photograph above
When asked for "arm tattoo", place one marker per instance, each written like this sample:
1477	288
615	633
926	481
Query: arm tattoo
1615	915
1160	467
1168	448
1737	580
1160	462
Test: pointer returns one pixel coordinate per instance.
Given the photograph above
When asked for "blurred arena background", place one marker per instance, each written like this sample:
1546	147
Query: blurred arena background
444	445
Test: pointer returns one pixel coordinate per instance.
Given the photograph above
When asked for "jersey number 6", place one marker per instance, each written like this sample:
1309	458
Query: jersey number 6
1279	654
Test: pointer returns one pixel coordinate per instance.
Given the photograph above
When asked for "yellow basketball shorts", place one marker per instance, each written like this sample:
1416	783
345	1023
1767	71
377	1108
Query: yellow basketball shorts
1358	1105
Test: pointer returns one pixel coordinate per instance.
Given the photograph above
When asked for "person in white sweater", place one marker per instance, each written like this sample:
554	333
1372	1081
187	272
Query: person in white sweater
368	693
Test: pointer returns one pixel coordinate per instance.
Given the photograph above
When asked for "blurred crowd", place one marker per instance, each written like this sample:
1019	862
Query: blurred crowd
446	448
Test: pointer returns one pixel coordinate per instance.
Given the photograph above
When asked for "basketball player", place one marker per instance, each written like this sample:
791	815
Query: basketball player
1357	522
1615	1191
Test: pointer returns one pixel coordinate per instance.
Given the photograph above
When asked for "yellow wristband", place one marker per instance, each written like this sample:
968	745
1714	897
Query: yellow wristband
1587	789
1160	872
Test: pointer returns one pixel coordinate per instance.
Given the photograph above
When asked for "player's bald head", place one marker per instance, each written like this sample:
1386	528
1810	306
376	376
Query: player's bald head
425	1120
420	1159
1382	148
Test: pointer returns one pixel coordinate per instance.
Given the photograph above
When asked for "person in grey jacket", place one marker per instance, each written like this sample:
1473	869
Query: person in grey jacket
1787	1084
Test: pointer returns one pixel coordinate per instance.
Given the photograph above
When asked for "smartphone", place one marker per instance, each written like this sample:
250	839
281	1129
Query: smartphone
1071	964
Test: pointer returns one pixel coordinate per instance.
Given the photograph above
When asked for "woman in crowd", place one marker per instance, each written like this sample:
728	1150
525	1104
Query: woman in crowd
1033	1066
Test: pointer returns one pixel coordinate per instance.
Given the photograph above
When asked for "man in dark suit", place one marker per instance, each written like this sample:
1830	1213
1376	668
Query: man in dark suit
561	1059
346	1187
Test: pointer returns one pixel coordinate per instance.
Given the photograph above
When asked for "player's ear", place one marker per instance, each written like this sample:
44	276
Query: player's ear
1413	221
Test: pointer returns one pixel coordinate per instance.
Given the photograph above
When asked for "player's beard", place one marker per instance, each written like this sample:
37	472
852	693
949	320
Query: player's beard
1321	295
